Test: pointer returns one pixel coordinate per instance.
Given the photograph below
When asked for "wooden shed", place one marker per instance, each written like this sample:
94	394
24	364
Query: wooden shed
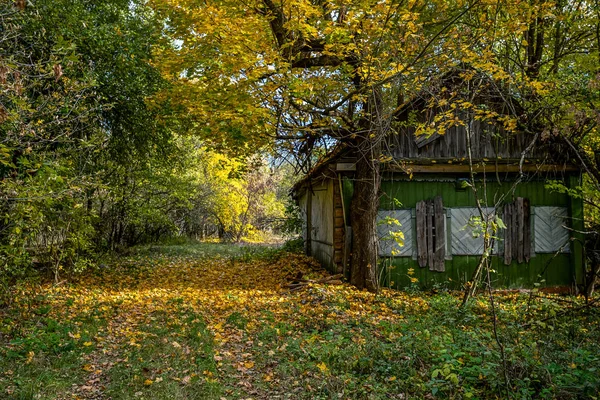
427	195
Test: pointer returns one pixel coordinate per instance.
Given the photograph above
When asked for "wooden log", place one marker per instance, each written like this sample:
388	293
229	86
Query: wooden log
421	225
329	278
440	235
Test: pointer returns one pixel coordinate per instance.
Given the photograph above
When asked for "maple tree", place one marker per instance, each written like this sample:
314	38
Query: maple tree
303	73
309	74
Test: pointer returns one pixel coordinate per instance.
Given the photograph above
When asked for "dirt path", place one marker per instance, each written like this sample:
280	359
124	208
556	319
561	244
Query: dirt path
229	296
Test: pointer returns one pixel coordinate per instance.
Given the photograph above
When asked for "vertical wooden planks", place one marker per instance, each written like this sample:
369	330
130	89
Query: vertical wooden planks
517	238
507	216
430	246
519	227
513	230
526	230
440	235
421	217
431	234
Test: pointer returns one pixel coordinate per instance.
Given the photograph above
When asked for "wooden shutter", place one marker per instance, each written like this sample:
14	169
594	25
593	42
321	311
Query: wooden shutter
431	234
421	228
517	235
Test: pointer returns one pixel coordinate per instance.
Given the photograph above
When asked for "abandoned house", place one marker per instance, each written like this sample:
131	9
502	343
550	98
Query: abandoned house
426	193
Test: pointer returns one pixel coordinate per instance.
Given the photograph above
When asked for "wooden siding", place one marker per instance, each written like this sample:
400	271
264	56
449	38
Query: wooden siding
487	142
556	270
386	225
410	192
322	223
339	227
316	207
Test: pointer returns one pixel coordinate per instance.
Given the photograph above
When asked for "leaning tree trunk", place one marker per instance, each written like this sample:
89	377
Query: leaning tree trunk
363	212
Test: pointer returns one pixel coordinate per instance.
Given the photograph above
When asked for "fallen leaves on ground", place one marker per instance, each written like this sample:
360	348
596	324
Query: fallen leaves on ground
230	328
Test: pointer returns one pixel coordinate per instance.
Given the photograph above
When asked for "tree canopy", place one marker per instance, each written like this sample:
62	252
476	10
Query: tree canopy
309	74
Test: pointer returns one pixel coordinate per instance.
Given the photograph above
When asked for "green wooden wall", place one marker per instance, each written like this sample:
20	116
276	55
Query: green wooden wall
409	192
555	270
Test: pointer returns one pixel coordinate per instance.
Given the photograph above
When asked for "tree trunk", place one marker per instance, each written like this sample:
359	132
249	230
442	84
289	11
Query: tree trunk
364	271
363	212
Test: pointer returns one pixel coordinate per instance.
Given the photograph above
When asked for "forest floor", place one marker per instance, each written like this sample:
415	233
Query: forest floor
216	322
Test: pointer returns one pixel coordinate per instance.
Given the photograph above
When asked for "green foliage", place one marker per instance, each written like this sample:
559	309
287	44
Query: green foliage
86	165
294	245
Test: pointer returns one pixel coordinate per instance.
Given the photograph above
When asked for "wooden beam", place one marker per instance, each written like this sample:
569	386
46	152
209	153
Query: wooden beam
462	168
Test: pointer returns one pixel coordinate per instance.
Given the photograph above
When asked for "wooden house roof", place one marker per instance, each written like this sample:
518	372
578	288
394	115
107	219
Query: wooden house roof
489	142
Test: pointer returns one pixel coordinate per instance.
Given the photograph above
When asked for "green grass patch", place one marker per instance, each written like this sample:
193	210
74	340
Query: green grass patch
172	359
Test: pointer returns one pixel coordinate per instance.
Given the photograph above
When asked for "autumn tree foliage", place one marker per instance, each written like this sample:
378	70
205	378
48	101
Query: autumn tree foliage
309	73
86	166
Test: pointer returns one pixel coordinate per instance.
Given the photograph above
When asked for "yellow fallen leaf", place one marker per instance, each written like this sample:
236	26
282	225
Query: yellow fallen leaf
249	364
148	382
30	356
392	378
322	367
88	367
87	344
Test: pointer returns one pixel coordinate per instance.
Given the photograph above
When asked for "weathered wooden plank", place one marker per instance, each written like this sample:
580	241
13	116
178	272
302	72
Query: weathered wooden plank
513	230
507	219
526	230
430	243
486	141
464	168
463	241
550	233
421	225
440	235
423	140
520	229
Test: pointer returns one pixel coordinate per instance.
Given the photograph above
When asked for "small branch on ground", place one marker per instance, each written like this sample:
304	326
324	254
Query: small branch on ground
299	284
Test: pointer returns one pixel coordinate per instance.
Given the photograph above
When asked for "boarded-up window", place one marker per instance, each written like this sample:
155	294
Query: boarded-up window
389	224
550	231
467	230
517	235
431	234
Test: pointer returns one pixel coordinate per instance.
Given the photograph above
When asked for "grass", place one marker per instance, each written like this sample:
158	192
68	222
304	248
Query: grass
209	321
204	250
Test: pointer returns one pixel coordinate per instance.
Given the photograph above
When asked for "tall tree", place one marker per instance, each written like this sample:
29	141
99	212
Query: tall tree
74	77
309	73
306	74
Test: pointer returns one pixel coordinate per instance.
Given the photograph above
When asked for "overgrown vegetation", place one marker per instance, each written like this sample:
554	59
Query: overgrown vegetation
207	321
136	127
87	166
